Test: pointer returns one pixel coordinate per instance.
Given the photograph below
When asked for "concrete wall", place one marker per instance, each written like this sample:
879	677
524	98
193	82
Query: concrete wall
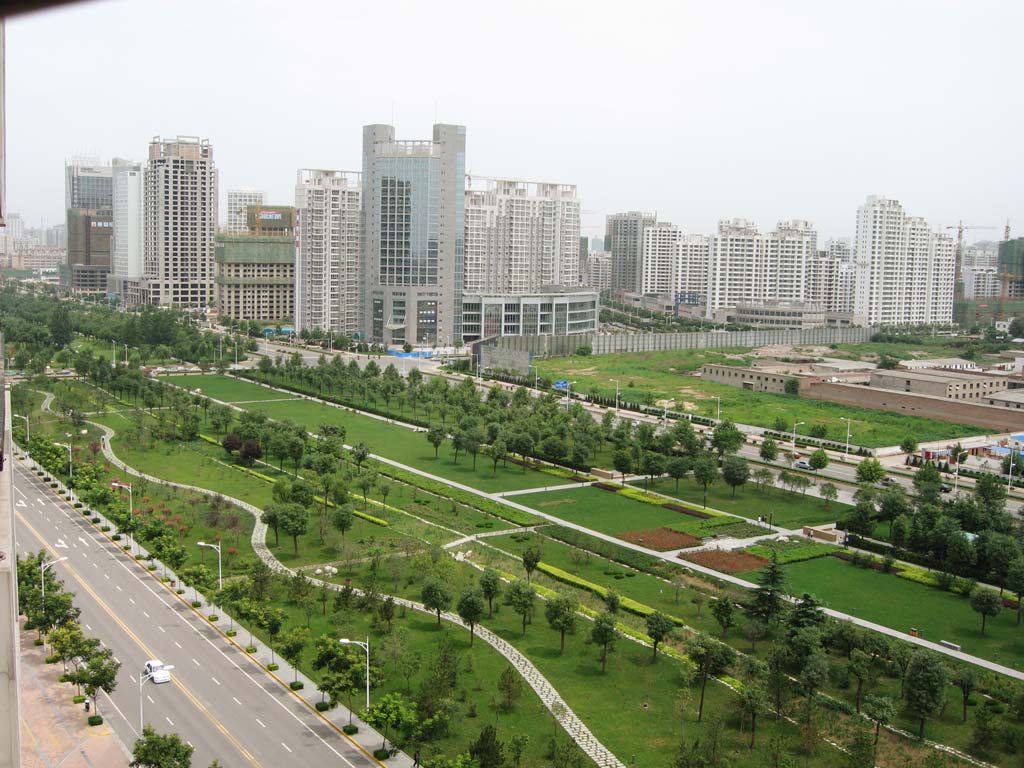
941	409
610	344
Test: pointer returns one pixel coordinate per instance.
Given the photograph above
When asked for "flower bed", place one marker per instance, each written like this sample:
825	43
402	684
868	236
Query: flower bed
606	487
661	539
726	562
791	551
688	511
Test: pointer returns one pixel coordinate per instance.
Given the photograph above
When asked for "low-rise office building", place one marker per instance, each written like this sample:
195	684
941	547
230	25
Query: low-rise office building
952	385
255	276
559	312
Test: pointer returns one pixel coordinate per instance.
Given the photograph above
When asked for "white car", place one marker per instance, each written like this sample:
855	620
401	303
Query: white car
803	465
155	670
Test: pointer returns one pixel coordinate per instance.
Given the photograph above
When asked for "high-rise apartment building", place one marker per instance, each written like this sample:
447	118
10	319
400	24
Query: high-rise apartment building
624	233
979	270
127	212
88	200
239	201
904	272
746	267
674	264
255	271
829	282
179	222
328	251
597	244
521	237
598	271
413	235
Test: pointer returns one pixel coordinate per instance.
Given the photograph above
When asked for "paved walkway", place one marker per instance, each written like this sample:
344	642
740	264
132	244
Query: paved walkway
53	729
547	693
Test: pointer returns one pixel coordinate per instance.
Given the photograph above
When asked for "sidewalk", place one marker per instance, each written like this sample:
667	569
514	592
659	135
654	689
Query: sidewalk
53	729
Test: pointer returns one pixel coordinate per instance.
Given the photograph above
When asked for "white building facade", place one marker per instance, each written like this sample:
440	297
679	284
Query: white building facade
126	258
674	264
179	222
238	201
904	273
520	236
328	251
624	232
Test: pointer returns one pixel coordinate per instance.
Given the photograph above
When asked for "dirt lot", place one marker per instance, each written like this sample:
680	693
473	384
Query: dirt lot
726	562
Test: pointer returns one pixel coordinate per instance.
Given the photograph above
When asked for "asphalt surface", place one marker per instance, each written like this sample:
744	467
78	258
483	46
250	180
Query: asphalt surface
218	700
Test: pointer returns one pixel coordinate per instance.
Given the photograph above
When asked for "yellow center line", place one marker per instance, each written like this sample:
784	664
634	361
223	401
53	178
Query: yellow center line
149	653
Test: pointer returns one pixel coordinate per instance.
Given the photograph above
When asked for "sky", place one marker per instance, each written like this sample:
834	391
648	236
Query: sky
697	111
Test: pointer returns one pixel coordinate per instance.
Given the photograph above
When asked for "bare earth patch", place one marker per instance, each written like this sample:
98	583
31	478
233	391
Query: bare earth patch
726	562
661	539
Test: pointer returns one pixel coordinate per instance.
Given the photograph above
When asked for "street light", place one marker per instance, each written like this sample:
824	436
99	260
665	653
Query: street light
28	435
719	399
956	476
71	466
366	647
131	505
568	393
795	425
220	573
142	682
848	422
616	394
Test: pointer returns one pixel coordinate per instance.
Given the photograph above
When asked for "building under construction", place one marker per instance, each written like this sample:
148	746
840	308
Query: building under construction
1010	301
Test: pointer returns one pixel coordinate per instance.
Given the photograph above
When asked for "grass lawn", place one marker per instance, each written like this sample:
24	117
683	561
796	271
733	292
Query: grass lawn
612	513
226	388
663	376
390	440
787	509
900	604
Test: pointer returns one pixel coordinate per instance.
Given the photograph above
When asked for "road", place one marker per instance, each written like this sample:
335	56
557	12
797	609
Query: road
219	700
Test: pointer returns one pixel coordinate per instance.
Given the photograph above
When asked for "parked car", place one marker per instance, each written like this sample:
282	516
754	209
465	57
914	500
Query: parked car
802	464
156	671
888	480
945	488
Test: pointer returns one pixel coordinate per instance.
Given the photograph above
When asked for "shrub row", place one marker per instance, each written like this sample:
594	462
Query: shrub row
792	552
688	511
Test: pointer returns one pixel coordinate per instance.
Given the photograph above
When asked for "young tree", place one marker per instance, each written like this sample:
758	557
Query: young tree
391	712
677	468
294	521
870	471
861	669
531	558
560	612
829	493
652	465
436	437
722	610
908	444
490	586
881	710
766	605
1015	582
603	634
471	609
925	687
705	472
711	658
986	602
487	750
436	597
726	438
753	700
510	687
965	678
342	519
769	450
521	596
98	673
860	749
155	750
818	460
622	461
292	644
735	472
659	629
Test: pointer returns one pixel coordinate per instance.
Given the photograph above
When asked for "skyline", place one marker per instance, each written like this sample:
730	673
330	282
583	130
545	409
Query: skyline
720	142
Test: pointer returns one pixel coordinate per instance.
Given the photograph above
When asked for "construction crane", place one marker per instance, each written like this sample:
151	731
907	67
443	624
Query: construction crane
959	227
958	286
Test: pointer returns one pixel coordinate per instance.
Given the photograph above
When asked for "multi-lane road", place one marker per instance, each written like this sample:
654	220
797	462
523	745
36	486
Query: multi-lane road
221	702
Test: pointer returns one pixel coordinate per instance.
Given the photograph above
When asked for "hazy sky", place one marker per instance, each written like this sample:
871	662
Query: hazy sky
697	110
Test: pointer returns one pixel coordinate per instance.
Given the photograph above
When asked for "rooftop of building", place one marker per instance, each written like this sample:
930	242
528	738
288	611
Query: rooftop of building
939	362
937	376
1008	396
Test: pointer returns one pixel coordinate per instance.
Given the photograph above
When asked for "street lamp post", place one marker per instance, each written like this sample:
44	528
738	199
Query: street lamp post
616	394
847	449
220	572
28	435
43	567
142	681
719	399
131	504
366	647
125	355
568	393
1009	480
956	475
113	354
71	466
795	425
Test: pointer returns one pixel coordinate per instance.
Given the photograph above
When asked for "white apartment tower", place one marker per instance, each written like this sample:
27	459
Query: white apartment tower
746	267
904	272
328	251
126	247
521	236
179	222
674	263
625	234
238	201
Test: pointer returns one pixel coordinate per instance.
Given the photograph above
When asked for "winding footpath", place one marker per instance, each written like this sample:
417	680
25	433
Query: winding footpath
565	717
